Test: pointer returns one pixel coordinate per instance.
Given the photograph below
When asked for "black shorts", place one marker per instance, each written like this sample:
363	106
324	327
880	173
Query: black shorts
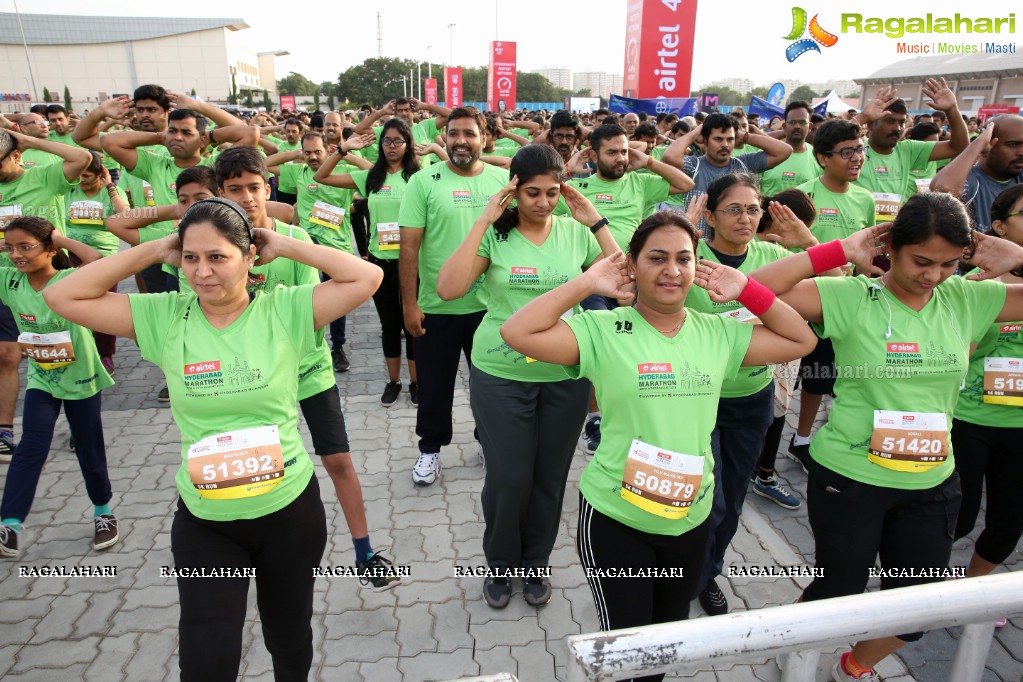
8	327
326	422
817	370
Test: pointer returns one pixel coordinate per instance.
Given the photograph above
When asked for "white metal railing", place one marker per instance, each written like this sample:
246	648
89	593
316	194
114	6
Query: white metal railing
804	629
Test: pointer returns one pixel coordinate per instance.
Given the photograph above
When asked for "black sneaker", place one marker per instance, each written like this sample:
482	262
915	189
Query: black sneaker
7	447
413	393
391	391
537	591
801	453
340	360
378	571
164	395
106	531
713	600
497	592
8	542
591	434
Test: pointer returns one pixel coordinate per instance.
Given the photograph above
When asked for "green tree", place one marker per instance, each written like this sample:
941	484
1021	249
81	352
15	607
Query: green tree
296	84
248	98
267	104
316	100
232	97
193	92
760	92
726	96
803	92
377	80
46	95
67	98
330	102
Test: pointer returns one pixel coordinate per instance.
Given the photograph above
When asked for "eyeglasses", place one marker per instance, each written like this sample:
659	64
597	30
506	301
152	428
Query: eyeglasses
737	211
392	141
849	152
1013	213
24	248
561	137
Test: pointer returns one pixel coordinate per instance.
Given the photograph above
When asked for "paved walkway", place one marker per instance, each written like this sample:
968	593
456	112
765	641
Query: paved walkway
433	626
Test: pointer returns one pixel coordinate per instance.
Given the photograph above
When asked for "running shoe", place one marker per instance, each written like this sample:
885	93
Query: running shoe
106	531
7	447
713	600
164	395
537	591
801	453
427	468
391	391
413	393
340	360
8	542
838	673
378	572
591	434
497	592
776	492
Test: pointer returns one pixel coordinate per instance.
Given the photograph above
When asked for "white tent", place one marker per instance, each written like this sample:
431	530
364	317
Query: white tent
836	105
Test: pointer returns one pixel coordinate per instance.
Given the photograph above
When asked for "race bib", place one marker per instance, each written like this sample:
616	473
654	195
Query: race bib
909	441
1003	381
886	206
237	464
923	185
49	351
388	236
741	314
147	194
7	214
661	482
327	215
85	213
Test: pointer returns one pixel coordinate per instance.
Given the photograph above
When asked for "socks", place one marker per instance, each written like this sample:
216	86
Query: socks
13	524
101	509
852	667
363	550
800	440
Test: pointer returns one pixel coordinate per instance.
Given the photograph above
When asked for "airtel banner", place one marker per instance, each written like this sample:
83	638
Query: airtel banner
501	79
452	86
659	48
287	102
430	90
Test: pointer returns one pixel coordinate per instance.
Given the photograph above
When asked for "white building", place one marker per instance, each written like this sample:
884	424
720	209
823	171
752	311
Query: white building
558	76
599	83
96	57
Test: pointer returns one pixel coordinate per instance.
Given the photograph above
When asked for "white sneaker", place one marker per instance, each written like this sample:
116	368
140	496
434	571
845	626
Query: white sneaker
427	468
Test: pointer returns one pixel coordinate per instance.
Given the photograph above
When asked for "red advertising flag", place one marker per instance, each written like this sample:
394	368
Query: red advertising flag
430	90
452	86
287	102
501	79
659	48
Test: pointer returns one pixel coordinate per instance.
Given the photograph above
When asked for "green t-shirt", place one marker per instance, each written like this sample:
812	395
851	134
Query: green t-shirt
140	193
323	211
85	216
1002	340
625	201
918	369
384	207
82	378
223	381
37	157
644	381
890	174
838	215
506	152
792	172
519	271
39	192
749	380
161	173
445	205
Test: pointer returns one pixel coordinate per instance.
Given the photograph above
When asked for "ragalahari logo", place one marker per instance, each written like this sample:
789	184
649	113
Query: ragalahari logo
818	35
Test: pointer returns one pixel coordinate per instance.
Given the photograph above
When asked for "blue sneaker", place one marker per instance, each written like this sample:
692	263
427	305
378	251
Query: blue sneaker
774	491
591	434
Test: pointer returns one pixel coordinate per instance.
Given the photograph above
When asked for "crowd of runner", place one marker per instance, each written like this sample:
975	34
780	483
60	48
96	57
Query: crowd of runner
658	287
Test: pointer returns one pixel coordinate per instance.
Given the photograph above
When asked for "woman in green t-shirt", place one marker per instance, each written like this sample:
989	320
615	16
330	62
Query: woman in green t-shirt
65	371
529	413
988	425
657	369
882	480
384	186
249	502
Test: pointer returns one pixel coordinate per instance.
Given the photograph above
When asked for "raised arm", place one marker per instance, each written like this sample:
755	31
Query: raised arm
275	161
75	160
222	118
943	99
123	147
465	265
675	154
952	178
679	181
366	124
86	133
777	150
439	112
238	136
83	252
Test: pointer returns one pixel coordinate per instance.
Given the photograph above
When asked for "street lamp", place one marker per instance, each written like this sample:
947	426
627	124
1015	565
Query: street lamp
451	54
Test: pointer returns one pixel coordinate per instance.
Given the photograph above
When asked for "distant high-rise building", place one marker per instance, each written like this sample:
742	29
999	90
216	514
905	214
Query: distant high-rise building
559	76
599	83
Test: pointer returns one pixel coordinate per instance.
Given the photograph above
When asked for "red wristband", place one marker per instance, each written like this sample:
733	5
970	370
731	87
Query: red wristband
755	297
827	256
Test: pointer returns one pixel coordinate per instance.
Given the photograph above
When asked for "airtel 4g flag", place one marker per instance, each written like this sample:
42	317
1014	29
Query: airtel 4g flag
659	48
501	78
430	90
452	86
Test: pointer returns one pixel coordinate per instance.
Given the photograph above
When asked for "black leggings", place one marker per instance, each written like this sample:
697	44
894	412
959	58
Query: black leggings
282	547
387	300
989	454
629	602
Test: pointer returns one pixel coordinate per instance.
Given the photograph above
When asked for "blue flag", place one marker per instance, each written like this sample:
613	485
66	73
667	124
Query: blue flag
683	106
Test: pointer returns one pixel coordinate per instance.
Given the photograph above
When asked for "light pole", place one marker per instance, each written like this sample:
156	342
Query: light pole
429	66
451	54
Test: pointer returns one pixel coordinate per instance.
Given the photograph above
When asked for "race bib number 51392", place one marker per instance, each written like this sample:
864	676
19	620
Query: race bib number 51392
237	464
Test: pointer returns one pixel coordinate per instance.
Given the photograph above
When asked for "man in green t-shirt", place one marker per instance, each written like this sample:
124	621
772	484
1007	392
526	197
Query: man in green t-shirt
891	159
801	166
37	191
60	126
441	204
